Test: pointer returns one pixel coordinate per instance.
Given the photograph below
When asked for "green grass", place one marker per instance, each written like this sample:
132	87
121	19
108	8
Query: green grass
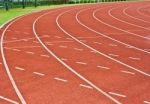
12	13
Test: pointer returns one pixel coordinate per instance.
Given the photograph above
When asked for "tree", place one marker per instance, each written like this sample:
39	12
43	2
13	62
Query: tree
23	4
6	5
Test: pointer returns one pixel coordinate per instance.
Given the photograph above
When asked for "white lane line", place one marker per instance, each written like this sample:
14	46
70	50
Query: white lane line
57	37
66	65
60	79
86	86
124	11
63	59
142	13
113	45
19	68
28	52
146	102
103	67
82	63
127	72
134	58
16	50
111	58
103	54
117	94
63	46
108	37
110	14
37	73
45	56
97	43
78	49
114	55
9	100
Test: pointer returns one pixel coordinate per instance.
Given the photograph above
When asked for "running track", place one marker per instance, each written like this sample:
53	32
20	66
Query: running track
87	54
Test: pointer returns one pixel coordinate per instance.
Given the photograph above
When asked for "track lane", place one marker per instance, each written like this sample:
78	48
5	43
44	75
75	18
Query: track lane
12	82
127	20
109	37
132	13
124	28
6	87
28	68
139	27
69	67
33	66
108	50
58	51
121	35
144	13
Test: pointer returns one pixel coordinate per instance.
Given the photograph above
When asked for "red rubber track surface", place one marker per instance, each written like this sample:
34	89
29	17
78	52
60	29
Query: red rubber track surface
87	54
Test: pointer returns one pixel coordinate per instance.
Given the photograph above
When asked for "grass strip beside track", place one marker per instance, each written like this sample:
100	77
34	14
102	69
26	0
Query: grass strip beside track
12	13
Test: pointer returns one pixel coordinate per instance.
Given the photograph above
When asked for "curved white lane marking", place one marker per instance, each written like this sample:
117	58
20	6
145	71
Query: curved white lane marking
67	66
138	10
125	12
91	48
110	14
139	49
6	66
